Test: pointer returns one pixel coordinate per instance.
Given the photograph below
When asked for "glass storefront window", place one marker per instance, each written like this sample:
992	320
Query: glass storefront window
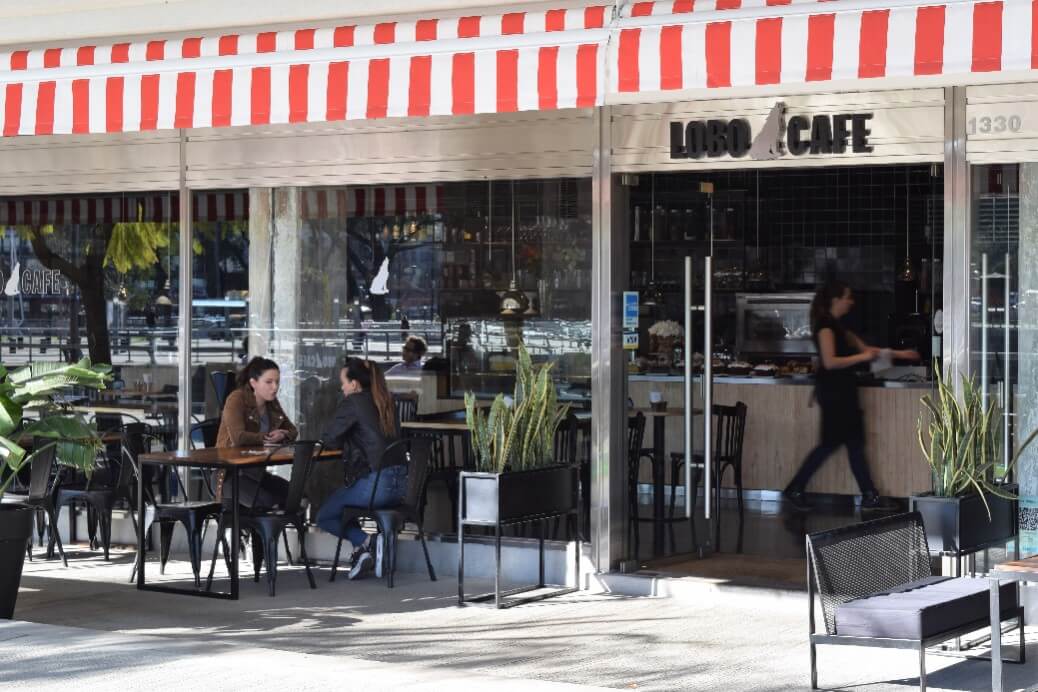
91	275
1003	315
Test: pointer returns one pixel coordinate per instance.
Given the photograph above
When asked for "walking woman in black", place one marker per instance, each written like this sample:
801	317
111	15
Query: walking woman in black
836	391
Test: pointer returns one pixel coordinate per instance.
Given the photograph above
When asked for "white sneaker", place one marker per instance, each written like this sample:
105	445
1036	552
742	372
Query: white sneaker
379	549
361	564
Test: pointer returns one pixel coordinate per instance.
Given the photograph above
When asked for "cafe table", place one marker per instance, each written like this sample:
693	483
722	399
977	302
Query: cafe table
231	460
1025	570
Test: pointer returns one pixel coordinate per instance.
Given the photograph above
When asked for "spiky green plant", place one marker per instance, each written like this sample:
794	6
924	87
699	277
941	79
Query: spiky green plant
520	436
35	386
962	441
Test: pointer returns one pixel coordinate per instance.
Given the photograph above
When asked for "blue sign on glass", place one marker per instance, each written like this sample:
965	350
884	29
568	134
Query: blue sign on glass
630	311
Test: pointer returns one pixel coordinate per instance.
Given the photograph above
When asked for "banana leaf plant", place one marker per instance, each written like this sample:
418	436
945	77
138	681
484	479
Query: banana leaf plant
961	439
519	435
35	387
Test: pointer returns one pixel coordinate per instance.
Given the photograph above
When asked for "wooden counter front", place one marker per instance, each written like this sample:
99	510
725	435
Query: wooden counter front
783	425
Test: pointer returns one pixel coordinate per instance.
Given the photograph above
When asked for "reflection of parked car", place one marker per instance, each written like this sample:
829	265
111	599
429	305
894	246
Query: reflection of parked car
215	318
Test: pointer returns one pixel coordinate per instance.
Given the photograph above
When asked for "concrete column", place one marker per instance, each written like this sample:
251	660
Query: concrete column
274	284
1027	349
260	275
286	263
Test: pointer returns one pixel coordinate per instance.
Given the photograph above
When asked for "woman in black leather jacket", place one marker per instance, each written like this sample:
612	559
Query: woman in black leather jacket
365	423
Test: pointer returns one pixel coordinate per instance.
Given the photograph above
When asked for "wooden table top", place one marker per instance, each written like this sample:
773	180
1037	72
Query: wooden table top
445	425
652	413
230	457
1026	566
136	394
127	406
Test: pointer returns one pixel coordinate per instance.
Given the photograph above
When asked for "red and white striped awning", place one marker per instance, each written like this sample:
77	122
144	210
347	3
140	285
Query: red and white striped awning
371	201
107	209
542	59
703	44
494	63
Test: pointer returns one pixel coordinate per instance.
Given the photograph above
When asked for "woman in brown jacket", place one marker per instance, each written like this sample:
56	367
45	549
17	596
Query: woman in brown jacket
253	416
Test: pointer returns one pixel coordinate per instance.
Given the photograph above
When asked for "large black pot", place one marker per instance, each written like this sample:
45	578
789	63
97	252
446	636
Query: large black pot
959	525
15	529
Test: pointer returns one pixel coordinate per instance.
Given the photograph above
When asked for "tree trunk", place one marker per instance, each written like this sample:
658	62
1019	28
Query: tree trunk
96	309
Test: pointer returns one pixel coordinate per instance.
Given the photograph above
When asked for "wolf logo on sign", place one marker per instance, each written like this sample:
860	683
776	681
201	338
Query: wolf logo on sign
767	145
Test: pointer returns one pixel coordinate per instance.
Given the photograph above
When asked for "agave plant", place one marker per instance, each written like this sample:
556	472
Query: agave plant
520	435
35	386
961	439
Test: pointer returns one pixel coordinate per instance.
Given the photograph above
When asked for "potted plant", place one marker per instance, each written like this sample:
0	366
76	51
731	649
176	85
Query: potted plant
514	444
518	478
971	505
35	386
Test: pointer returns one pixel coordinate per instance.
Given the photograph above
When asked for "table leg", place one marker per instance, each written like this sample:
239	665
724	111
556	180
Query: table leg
996	637
141	527
659	431
235	534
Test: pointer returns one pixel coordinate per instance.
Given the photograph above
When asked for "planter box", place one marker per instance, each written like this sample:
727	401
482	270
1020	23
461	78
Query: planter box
497	499
960	525
15	528
516	496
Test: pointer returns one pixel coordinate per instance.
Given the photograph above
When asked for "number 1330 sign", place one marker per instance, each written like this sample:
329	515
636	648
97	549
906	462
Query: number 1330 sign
993	124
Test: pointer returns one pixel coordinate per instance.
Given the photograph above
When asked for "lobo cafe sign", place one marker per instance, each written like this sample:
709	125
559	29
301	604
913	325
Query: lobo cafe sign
35	282
799	135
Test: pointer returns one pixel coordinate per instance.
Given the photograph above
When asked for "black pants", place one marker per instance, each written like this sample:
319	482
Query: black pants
817	456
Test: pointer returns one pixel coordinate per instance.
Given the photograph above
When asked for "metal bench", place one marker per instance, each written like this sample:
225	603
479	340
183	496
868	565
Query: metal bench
876	587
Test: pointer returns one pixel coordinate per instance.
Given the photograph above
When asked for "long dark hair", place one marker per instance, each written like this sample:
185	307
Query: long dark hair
822	303
254	369
372	380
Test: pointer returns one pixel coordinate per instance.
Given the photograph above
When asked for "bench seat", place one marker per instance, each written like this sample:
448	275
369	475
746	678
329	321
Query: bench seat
922	608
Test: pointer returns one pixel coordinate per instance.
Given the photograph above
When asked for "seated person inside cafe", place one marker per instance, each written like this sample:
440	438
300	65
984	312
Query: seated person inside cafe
412	354
365	423
252	416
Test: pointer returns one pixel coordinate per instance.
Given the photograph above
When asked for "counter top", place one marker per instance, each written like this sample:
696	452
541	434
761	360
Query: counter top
800	380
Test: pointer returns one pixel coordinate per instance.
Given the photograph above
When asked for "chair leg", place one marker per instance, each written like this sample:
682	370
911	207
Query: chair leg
216	549
105	521
257	556
288	551
28	549
814	666
194	548
41	525
1022	658
54	538
335	562
425	549
675	470
922	669
165	540
301	532
272	564
389	555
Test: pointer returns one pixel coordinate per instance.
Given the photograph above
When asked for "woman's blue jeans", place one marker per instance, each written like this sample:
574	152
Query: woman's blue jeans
392	487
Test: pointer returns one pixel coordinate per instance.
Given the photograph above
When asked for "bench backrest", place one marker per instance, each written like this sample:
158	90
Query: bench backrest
861	559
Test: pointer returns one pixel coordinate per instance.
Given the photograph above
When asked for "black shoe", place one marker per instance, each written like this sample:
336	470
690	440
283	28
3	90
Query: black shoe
797	499
872	502
362	562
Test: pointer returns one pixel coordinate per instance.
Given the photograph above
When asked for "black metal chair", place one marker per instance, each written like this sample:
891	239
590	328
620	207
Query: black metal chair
42	480
268	525
223	385
413	453
194	515
729	430
102	492
635	454
406	406
203	433
876	587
